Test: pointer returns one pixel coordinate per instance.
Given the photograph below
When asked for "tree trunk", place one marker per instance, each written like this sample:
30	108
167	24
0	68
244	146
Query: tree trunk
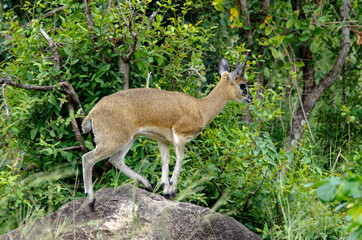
312	92
124	66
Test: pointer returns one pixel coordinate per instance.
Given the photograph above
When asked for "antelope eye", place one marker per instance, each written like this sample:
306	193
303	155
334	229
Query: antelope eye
242	86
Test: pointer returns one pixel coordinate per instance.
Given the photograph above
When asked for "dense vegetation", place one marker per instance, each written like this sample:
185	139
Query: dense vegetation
288	166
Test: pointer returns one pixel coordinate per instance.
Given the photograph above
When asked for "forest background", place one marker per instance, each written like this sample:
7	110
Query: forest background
287	166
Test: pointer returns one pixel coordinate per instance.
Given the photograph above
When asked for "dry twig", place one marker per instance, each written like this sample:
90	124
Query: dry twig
245	207
194	70
148	80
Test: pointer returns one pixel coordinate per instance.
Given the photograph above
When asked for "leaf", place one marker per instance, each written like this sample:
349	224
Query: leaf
218	5
305	36
268	19
88	144
160	60
357	216
268	30
256	151
223	22
272	162
290	23
84	68
327	191
276	40
351	187
305	160
288	66
357	234
299	64
29	76
67	51
75	61
52	99
317	31
33	133
274	52
314	47
234	12
52	133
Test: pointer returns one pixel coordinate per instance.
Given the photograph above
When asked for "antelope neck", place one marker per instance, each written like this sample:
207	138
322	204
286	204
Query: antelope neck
213	103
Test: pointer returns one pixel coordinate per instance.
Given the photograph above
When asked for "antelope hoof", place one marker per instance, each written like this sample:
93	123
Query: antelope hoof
171	196
149	188
91	205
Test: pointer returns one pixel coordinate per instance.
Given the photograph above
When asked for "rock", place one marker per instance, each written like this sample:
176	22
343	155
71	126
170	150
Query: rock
132	213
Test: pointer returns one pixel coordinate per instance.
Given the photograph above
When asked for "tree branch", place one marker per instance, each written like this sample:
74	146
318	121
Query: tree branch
72	148
350	7
129	24
265	6
249	34
217	187
26	25
53	47
75	128
150	19
333	74
70	92
310	75
46	15
345	46
124	58
226	161
197	72
67	88
90	24
311	99
302	108
6	80
246	203
124	18
72	97
7	115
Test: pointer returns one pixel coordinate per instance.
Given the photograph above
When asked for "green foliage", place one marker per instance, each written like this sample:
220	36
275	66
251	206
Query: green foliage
238	168
20	196
348	191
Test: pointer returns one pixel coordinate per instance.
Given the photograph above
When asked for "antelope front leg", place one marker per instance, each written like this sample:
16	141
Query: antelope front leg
179	145
165	156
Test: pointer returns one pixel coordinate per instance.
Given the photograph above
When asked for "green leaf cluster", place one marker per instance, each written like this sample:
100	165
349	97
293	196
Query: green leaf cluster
348	191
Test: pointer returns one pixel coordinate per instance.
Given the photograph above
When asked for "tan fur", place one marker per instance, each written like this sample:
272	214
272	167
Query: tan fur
168	117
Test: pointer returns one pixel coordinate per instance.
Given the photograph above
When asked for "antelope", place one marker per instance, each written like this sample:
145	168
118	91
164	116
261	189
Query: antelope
168	117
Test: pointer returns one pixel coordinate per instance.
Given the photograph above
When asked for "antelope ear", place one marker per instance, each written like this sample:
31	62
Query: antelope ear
239	71
224	66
